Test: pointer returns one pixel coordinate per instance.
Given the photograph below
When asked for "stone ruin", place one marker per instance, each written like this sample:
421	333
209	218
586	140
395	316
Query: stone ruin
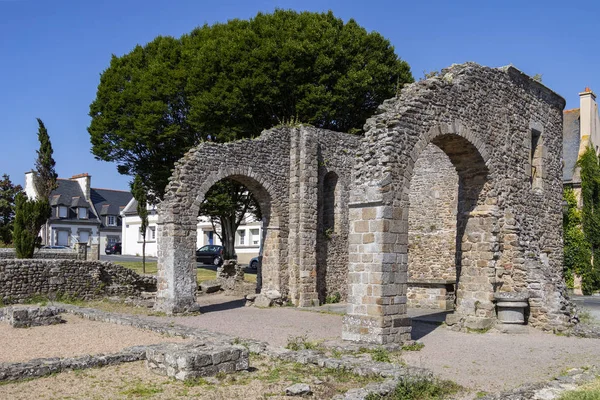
452	194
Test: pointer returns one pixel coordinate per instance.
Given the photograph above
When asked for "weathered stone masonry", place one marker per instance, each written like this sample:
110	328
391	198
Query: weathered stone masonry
336	207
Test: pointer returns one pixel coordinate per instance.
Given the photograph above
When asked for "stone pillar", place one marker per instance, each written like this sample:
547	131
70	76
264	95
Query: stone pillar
479	254
303	219
81	249
377	278
176	265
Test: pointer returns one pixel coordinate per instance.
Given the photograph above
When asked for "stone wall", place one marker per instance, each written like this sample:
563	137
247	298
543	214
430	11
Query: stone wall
22	279
47	254
510	230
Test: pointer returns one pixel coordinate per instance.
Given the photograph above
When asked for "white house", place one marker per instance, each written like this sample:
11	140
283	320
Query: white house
247	238
81	213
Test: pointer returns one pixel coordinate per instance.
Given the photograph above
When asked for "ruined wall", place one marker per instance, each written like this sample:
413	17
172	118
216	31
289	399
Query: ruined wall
335	163
509	214
22	279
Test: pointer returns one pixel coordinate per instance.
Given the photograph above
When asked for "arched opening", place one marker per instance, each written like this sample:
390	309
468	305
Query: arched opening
452	241
432	235
178	241
266	244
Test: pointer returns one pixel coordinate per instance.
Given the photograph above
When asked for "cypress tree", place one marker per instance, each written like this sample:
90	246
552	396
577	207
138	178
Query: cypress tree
45	176
30	215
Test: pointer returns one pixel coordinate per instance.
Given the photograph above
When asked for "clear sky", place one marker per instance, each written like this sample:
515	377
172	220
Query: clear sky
53	51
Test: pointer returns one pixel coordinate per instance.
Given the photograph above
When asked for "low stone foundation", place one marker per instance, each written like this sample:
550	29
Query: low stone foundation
194	360
431	294
26	317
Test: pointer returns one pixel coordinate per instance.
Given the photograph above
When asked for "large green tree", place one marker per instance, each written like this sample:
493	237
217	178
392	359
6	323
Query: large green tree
8	194
232	80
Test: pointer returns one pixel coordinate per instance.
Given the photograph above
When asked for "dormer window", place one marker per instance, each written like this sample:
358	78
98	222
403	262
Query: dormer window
62	212
111	220
82	213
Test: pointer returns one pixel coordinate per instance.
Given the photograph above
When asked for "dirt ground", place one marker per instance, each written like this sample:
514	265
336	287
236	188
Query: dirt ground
266	380
76	337
489	362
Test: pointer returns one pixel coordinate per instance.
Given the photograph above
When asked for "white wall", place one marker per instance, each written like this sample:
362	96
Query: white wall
132	244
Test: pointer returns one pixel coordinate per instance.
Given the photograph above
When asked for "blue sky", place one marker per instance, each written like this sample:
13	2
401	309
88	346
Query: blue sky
53	51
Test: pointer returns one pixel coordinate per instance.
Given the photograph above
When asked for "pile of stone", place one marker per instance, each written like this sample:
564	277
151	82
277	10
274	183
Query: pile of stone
266	299
230	274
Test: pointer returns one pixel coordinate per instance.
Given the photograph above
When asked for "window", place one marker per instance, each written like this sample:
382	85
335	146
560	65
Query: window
82	213
152	231
254	237
111	220
242	237
62	238
62	212
112	239
84	236
536	161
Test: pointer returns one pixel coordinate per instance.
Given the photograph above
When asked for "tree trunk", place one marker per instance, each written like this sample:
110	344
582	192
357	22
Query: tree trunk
143	254
228	228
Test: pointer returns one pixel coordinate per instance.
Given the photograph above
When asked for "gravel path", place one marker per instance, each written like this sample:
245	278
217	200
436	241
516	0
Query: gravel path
76	337
483	362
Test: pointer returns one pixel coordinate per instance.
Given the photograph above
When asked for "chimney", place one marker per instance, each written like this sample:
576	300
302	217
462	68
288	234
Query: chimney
30	186
588	116
84	181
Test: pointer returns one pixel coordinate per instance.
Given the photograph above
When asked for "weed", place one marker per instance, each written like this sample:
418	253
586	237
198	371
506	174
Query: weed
590	391
479	395
586	317
416	346
333	298
141	390
419	388
37	299
296	343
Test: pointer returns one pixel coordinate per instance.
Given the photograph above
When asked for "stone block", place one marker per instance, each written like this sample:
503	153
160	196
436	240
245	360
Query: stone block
184	361
210	286
25	317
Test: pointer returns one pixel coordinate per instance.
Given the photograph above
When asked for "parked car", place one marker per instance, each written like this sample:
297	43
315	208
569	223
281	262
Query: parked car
253	264
210	254
114	248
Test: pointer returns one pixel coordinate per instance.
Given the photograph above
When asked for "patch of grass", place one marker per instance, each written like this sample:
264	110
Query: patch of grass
37	299
378	354
202	273
480	331
479	395
141	390
587	318
590	391
420	389
196	382
296	343
416	346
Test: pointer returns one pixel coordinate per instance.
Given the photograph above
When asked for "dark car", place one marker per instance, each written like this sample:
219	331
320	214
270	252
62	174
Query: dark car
253	264
210	254
114	248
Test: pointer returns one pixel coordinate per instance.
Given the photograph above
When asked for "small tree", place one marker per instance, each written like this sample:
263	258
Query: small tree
45	175
140	194
30	215
226	203
8	194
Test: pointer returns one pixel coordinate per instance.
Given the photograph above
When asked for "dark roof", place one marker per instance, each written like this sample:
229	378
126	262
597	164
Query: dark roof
571	140
109	202
68	193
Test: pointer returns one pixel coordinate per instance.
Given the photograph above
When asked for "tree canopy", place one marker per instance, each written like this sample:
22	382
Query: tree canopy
232	80
45	174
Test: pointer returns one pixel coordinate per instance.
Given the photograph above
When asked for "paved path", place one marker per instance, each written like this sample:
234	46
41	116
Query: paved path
483	362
